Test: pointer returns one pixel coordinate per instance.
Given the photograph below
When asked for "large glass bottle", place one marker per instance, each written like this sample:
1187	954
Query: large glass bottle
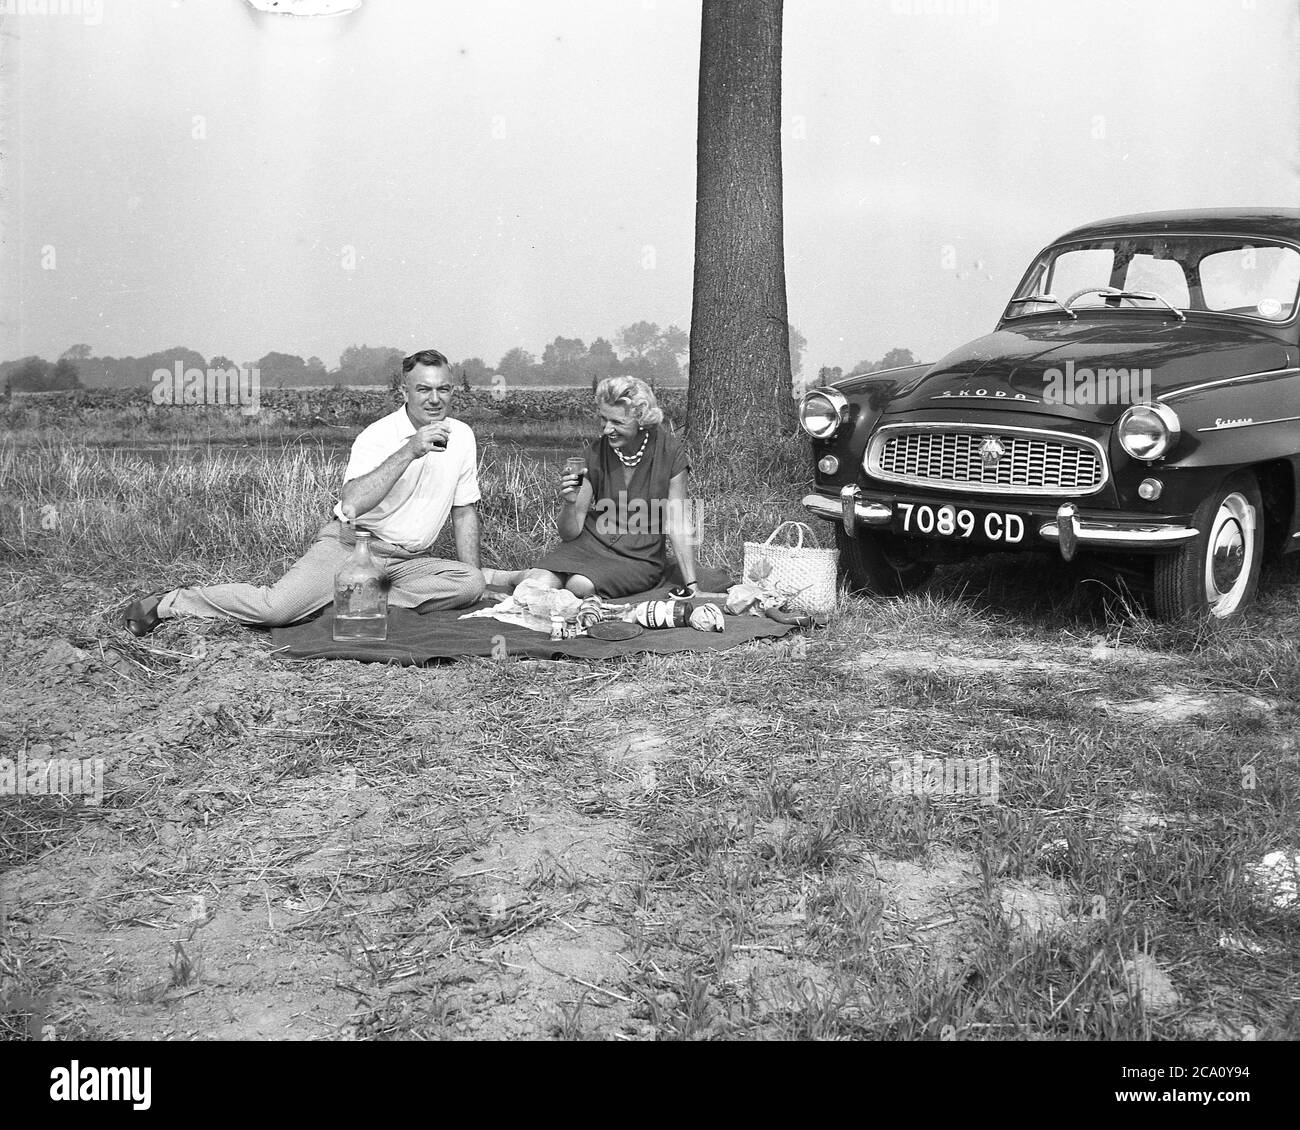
361	596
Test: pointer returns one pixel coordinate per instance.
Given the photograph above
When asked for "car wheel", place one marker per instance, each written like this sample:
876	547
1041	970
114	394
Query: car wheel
1214	576
880	564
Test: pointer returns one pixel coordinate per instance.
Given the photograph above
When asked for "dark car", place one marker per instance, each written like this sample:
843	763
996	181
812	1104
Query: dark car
1139	399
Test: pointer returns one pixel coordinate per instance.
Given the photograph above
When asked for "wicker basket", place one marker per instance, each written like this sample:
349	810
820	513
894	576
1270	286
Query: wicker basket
804	573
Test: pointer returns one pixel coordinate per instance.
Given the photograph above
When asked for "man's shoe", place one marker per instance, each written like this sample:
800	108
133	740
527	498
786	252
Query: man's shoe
141	616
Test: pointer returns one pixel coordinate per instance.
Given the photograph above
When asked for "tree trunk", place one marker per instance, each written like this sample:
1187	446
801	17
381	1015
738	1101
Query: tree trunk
740	388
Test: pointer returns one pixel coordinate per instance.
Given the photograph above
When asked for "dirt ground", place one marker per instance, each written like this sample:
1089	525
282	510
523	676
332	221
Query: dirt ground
346	851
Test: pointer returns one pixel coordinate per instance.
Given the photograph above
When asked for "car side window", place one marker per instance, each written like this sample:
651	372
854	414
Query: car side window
1258	281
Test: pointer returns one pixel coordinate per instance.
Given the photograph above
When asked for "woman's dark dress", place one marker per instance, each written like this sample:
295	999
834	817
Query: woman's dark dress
621	546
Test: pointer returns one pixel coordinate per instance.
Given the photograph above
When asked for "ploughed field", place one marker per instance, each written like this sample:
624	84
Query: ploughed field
1007	806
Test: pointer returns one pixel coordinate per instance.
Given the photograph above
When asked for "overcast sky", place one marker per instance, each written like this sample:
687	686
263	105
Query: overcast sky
478	175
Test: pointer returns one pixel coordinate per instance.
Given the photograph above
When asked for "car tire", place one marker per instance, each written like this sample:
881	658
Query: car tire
1213	577
880	564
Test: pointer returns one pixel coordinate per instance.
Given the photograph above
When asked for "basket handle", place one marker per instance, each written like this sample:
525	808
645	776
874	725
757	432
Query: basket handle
800	529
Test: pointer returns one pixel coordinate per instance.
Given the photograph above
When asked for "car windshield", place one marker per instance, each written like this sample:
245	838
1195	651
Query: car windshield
1203	274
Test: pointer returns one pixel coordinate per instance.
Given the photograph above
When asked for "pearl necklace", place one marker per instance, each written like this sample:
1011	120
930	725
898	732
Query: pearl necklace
632	460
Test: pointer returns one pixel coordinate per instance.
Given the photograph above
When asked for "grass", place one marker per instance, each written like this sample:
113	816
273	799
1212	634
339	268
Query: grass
701	846
161	522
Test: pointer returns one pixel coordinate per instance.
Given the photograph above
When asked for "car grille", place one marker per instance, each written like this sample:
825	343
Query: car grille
1031	462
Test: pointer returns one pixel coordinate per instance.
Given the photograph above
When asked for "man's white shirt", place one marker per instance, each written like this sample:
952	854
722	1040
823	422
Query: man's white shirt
414	511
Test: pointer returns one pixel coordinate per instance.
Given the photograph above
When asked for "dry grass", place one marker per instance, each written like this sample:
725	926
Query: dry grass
695	847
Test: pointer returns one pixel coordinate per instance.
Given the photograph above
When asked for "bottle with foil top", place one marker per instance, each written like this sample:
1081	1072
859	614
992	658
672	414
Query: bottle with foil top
361	595
659	613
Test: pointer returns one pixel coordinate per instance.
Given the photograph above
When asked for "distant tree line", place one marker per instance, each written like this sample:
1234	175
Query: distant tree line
79	368
643	349
891	360
33	374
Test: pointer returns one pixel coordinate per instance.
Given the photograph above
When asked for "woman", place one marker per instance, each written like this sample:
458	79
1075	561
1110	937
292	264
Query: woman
613	520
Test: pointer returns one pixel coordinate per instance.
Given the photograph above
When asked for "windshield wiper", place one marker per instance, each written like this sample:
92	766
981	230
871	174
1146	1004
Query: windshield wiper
1043	298
1115	292
1154	297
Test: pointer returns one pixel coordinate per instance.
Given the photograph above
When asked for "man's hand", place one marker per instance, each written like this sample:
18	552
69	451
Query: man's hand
431	437
364	493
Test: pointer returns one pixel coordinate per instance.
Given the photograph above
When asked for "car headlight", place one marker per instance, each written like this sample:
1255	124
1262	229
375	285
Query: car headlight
822	412
1149	431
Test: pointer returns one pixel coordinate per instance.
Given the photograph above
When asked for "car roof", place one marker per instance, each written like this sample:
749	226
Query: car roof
1279	223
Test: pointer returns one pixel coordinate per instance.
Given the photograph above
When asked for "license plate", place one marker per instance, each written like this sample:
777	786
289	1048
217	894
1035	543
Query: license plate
960	523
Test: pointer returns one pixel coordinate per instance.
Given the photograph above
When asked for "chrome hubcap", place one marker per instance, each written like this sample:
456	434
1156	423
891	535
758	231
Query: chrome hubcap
1231	555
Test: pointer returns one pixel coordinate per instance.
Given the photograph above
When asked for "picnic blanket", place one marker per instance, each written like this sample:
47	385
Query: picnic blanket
416	638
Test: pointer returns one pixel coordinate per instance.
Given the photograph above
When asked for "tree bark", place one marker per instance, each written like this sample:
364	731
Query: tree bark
740	387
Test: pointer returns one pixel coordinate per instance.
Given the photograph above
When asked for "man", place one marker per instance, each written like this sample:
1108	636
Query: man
408	472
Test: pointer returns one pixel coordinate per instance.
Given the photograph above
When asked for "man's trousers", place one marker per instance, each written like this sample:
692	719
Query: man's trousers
429	584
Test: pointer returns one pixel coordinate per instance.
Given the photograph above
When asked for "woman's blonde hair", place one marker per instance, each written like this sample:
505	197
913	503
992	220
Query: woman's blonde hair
634	394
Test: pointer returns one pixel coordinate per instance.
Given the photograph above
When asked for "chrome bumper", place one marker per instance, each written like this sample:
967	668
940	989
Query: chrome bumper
1067	530
1070	531
849	511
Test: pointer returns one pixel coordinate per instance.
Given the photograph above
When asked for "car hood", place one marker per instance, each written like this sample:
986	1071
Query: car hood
1010	367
